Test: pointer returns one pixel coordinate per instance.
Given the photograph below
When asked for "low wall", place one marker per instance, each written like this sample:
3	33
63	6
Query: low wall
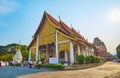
82	66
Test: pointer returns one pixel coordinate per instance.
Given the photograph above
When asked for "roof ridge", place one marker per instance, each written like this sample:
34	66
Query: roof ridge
63	26
67	28
52	19
71	30
43	18
77	33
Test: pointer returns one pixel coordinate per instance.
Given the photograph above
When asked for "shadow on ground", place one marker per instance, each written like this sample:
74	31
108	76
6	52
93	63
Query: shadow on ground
13	72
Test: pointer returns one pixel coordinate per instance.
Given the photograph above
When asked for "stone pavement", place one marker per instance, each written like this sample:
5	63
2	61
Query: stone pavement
107	70
13	72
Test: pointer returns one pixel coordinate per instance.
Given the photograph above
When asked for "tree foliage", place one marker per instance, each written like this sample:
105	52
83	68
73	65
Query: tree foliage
87	59
7	52
6	57
118	51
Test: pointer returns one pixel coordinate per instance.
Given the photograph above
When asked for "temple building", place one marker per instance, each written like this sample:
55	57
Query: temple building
54	39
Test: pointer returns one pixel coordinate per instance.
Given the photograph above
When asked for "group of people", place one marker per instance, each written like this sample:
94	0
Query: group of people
29	64
4	63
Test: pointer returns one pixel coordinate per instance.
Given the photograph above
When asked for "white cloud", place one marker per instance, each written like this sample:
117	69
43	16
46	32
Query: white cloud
113	16
7	6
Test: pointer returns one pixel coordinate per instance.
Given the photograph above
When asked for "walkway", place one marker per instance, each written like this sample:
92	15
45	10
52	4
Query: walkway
13	72
104	71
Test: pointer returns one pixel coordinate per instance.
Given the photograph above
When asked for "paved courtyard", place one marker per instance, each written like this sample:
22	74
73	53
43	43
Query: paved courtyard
107	70
13	72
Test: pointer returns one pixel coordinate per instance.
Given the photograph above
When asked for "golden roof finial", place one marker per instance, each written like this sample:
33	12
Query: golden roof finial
78	31
71	25
44	11
19	46
59	18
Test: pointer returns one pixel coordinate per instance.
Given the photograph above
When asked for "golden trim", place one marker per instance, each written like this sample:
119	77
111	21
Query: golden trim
66	35
50	21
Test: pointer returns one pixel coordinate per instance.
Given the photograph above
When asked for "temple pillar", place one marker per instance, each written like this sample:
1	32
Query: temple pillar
37	48
56	44
47	54
29	58
86	49
84	52
65	55
71	53
39	55
92	51
89	51
81	50
78	48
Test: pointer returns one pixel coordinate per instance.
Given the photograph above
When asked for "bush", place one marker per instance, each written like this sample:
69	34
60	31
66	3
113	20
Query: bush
102	59
93	59
55	66
97	60
80	59
87	60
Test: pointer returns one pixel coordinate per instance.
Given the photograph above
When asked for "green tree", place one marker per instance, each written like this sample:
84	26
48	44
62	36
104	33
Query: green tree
24	52
118	51
3	50
7	52
7	57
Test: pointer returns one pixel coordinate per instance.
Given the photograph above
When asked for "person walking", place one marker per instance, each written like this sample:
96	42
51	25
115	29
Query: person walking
0	63
30	64
39	62
6	63
14	63
24	63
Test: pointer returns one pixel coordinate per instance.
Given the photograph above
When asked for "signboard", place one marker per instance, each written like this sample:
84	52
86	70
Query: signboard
53	60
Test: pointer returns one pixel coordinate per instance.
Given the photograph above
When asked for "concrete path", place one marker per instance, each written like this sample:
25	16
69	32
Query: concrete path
103	71
13	72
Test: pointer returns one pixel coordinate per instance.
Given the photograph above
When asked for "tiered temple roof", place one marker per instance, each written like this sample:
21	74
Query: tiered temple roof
62	27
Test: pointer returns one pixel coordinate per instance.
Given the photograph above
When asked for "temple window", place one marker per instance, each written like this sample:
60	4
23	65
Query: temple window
62	54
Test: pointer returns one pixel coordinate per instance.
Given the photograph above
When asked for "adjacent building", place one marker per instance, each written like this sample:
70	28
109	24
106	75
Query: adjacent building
99	45
54	39
18	56
101	50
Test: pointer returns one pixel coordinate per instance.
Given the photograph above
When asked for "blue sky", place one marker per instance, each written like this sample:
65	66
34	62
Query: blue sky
19	19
